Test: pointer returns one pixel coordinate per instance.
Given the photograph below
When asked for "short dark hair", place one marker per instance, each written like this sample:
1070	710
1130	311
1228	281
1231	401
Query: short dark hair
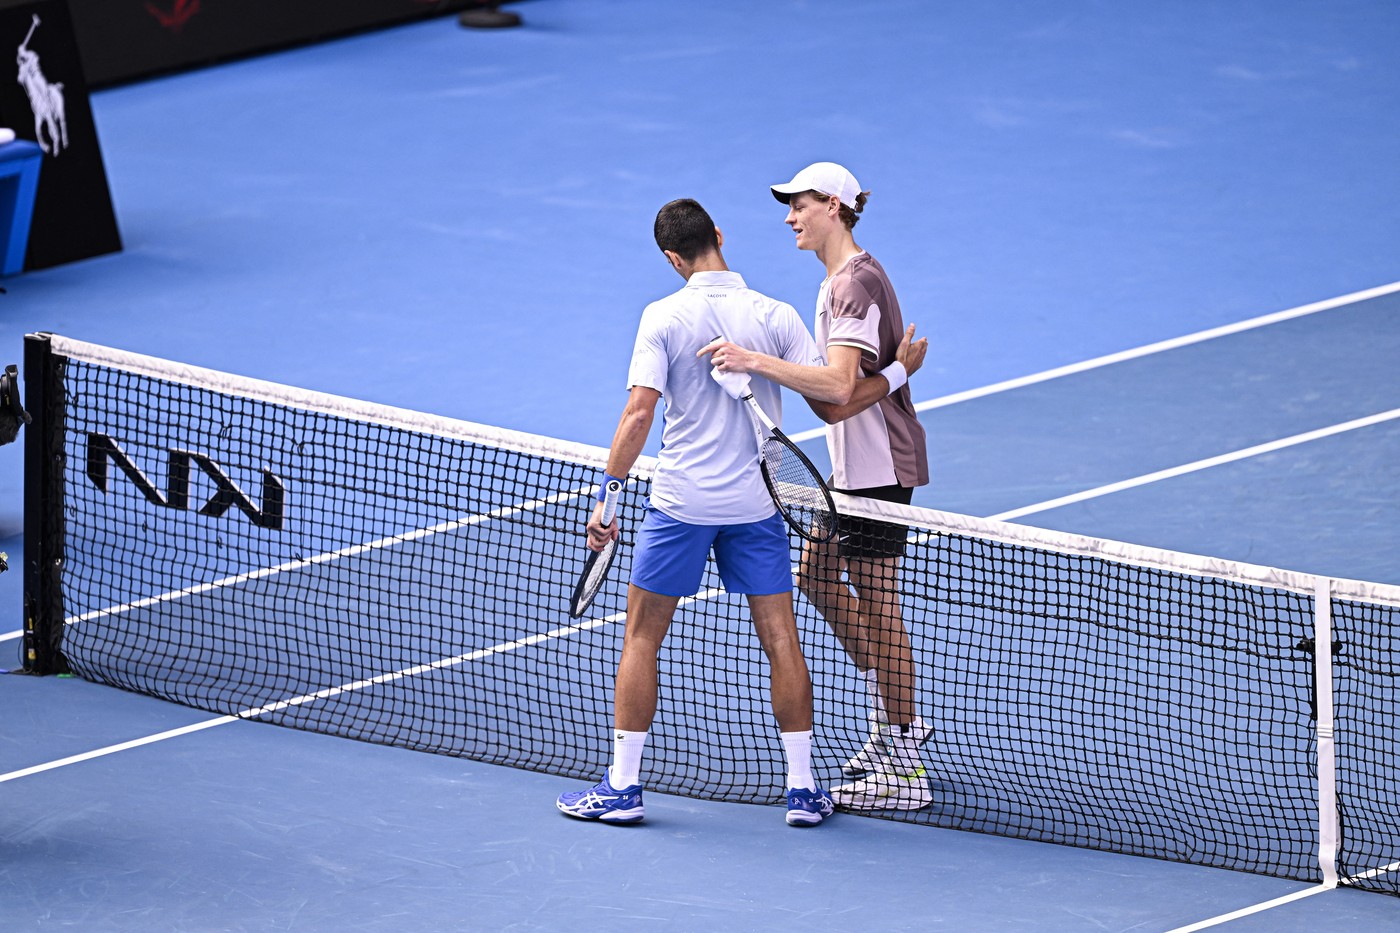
684	228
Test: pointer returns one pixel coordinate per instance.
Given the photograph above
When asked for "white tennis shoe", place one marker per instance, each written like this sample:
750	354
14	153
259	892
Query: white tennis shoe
885	790
874	756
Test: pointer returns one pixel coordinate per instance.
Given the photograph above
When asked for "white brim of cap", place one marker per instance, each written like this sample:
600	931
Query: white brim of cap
784	192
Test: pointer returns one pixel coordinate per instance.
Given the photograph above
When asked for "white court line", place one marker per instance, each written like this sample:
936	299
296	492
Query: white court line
1286	899
352	551
254	712
1158	476
1137	352
351	687
113	749
1253	909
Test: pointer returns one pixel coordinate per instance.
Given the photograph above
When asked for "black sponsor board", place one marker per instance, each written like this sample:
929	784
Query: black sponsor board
123	40
45	99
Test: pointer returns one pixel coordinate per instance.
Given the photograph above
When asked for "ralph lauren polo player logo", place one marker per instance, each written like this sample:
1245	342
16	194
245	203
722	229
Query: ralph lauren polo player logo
45	98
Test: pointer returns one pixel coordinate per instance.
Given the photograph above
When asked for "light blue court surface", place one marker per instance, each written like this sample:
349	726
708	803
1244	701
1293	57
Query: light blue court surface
460	222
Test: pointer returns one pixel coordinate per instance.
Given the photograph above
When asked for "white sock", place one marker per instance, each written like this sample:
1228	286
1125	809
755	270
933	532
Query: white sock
871	679
626	768
798	747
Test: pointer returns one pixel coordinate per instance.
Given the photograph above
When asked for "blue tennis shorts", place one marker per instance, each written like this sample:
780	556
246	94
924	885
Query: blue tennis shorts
670	557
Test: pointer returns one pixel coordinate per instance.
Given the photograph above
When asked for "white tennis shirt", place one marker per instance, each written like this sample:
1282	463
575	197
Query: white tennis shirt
708	472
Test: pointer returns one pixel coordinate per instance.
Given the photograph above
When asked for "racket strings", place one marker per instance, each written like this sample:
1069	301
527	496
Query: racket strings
798	490
593	580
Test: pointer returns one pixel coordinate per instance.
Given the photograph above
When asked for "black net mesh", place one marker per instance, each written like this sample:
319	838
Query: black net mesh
393	584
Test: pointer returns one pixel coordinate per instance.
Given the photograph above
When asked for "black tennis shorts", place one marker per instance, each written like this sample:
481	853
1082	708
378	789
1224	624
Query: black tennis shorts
864	537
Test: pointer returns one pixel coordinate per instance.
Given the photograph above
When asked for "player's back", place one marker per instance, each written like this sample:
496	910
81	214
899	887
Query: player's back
708	471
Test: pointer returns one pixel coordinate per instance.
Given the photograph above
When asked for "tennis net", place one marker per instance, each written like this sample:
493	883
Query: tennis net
329	564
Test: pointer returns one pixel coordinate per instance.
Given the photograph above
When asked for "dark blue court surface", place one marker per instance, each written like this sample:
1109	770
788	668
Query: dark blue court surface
459	222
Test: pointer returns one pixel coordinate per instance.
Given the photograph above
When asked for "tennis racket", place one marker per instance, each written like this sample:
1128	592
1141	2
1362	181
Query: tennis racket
793	482
595	569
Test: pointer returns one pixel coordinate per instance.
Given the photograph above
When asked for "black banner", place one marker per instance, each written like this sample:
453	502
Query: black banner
121	40
47	101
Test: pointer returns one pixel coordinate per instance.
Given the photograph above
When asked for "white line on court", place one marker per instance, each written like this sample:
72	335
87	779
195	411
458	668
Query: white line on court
254	712
120	747
1286	899
1160	346
1254	909
1158	476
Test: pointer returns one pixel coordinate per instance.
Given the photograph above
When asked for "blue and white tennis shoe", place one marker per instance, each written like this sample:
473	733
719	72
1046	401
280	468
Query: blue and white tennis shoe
604	802
808	807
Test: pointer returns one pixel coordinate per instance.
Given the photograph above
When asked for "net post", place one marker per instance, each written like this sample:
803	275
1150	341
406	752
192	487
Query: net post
1327	824
43	509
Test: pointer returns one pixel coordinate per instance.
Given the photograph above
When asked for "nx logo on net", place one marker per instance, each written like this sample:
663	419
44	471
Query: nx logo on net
102	450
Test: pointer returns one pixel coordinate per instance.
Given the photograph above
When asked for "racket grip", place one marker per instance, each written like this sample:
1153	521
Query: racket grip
611	490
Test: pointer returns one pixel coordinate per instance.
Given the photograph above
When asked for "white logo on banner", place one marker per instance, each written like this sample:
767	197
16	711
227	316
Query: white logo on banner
45	99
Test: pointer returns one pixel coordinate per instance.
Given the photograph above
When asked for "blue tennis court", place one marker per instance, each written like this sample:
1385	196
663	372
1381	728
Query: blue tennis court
1153	250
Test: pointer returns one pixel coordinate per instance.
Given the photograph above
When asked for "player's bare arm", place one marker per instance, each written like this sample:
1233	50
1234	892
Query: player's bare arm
628	440
833	382
833	391
870	390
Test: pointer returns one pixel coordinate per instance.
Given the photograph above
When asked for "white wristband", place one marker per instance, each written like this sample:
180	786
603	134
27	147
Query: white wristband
896	375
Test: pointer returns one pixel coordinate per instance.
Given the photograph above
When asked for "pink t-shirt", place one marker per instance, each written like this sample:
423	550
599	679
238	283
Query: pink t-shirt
885	444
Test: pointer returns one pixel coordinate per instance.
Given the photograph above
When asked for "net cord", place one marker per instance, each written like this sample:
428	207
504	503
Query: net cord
1328	834
336	405
935	522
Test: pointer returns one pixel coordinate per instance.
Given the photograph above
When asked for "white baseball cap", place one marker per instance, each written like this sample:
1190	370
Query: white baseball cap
826	177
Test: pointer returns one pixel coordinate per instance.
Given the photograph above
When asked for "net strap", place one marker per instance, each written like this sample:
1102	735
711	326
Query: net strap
1328	834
